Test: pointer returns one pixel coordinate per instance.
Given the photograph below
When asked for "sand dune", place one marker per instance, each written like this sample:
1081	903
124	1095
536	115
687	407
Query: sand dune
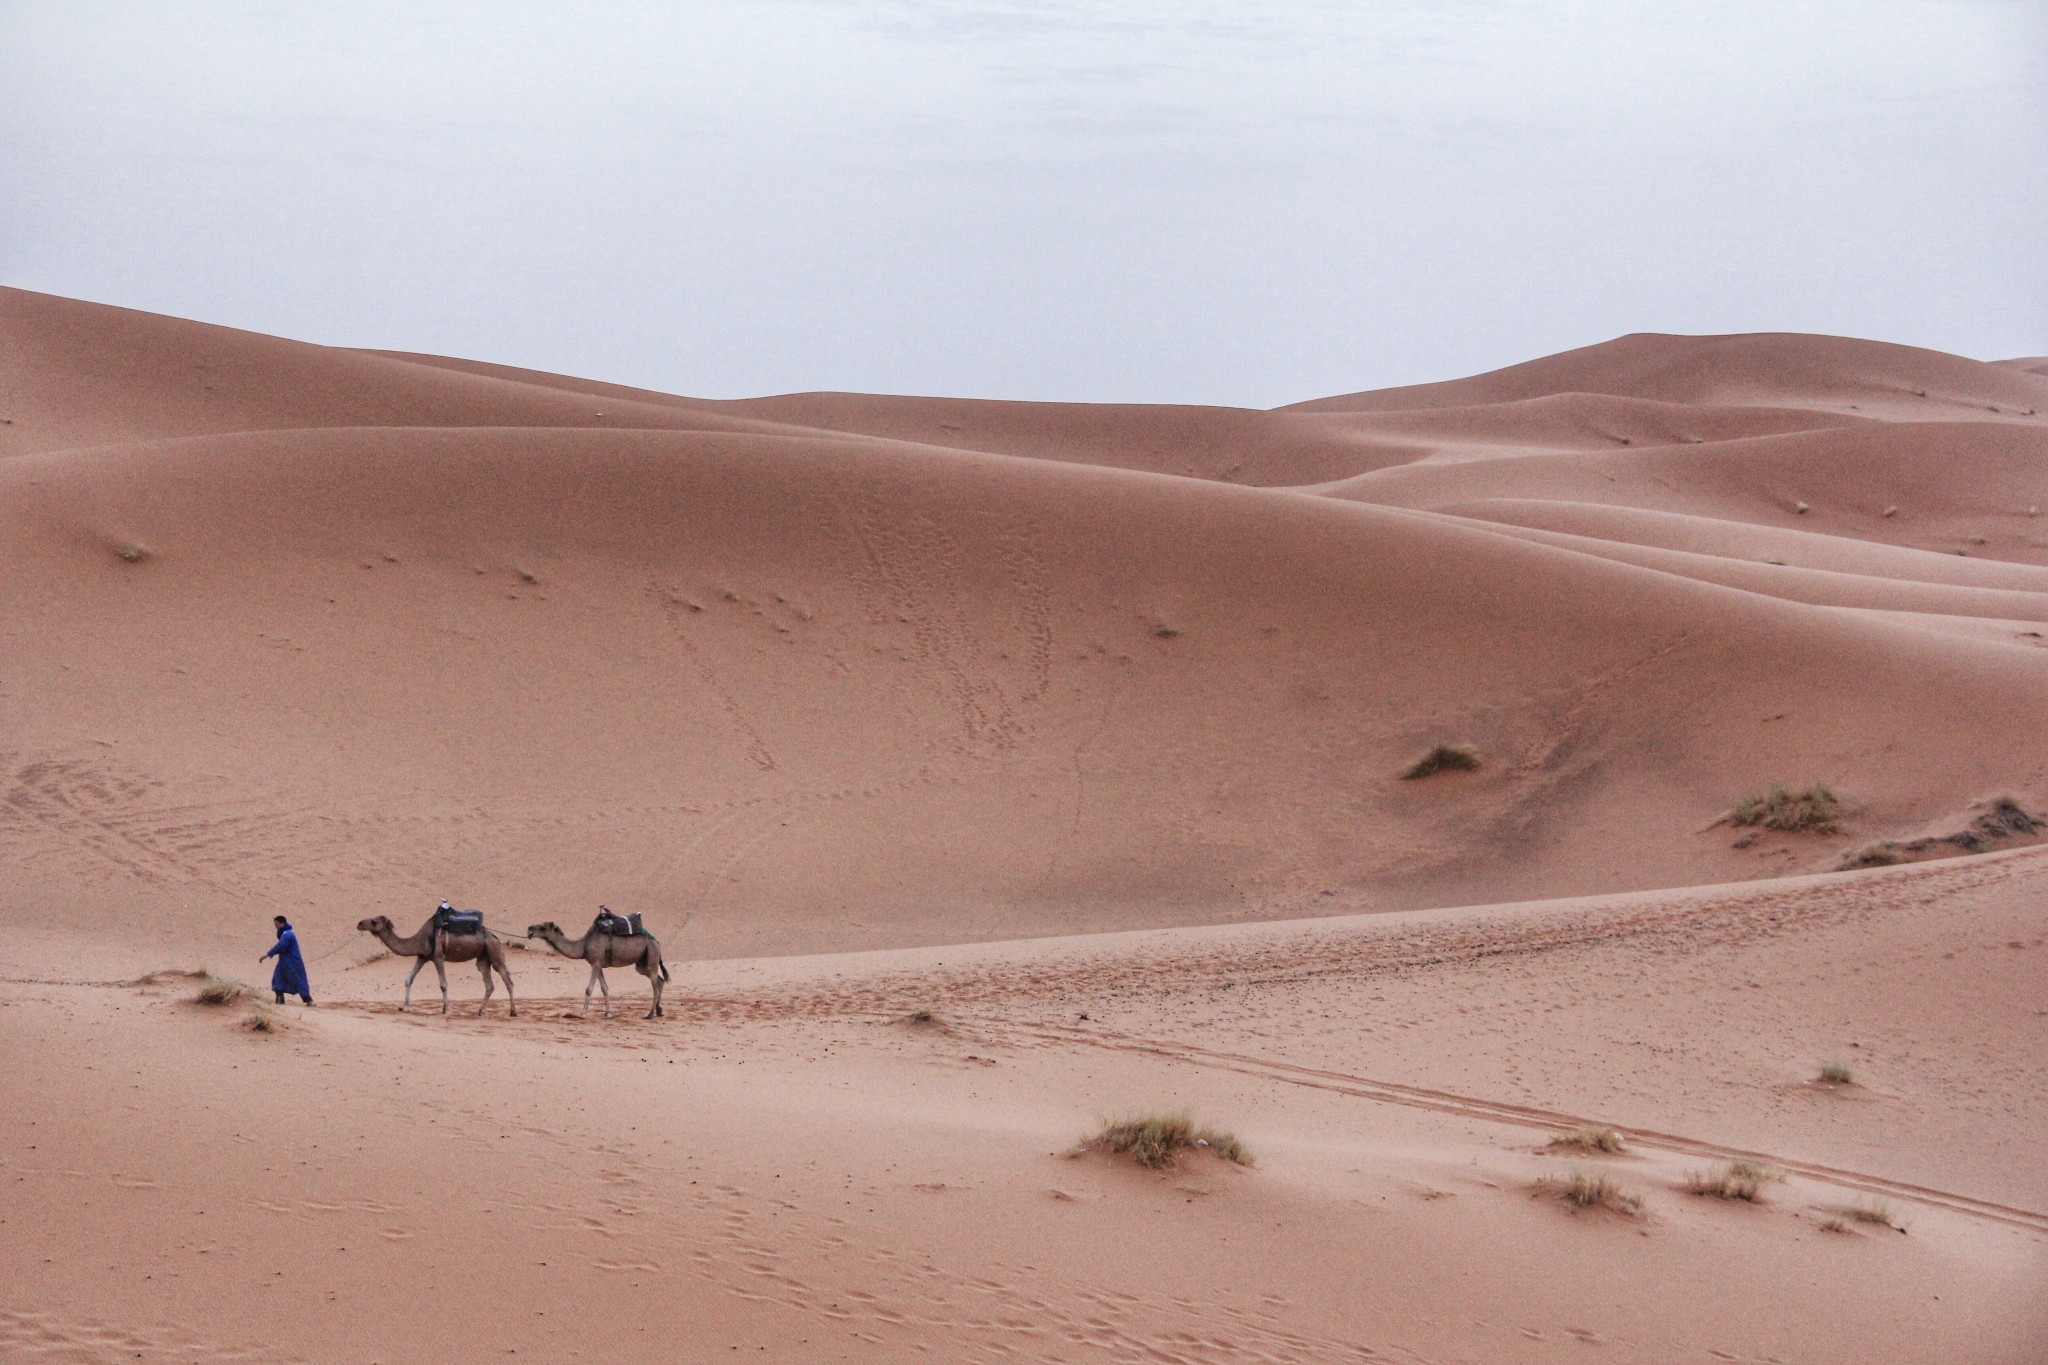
78	375
1742	540
1845	480
1081	727
1820	587
957	696
1833	375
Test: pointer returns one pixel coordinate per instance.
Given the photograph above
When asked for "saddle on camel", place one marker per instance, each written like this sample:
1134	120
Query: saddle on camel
614	924
458	923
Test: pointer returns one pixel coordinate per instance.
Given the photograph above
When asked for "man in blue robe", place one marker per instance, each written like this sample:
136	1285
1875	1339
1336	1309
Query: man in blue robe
289	977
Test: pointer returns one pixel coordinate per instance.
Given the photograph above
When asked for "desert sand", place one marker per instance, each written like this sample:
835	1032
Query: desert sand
992	769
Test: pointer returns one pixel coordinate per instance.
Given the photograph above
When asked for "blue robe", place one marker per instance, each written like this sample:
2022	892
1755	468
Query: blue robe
290	975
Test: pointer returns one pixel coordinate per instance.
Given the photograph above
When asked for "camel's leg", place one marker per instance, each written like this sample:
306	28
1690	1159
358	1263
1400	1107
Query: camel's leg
511	1003
441	970
483	964
417	964
606	987
591	985
651	965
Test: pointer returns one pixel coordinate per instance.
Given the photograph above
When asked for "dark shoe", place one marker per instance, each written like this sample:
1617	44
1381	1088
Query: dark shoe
308	999
280	997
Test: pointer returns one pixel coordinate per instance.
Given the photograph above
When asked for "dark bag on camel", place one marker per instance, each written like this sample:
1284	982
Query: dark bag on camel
618	926
467	923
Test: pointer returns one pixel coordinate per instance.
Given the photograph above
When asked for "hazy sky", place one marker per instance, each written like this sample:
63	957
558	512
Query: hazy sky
1232	203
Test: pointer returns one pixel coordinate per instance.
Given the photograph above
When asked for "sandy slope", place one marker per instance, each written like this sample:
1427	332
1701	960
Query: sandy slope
820	694
75	375
788	1169
341	632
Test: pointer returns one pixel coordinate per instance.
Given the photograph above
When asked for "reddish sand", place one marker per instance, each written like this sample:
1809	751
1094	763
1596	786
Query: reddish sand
1081	727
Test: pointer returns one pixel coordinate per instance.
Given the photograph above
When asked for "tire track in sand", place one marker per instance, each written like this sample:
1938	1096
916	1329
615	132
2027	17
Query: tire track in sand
1014	1033
1500	1111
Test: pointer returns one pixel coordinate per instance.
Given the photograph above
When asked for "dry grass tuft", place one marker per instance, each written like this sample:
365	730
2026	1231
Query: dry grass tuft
164	976
1742	1179
1582	1191
1156	1141
218	990
1808	810
1884	854
1836	1073
1873	1212
1595	1138
921	1017
262	1019
1443	758
2003	819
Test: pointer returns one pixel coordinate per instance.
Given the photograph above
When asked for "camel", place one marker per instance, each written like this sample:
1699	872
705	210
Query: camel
442	948
641	951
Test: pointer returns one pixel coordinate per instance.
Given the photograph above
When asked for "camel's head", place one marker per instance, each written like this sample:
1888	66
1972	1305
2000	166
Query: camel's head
375	924
546	929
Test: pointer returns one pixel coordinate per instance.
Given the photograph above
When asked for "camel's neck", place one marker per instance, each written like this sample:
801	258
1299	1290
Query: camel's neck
566	946
404	947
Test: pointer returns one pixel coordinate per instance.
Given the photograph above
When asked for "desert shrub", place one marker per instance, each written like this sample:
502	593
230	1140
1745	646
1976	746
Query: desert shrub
164	976
1740	1179
2005	818
1595	1138
1157	1141
1583	1191
1443	758
921	1017
261	1019
1810	809
1872	1211
218	990
1834	1223
1885	854
1836	1073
